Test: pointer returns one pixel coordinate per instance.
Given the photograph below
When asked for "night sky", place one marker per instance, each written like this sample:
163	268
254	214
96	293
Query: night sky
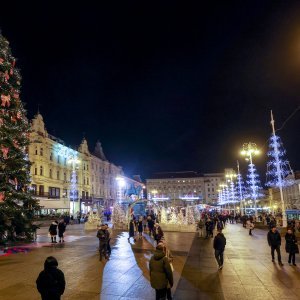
165	86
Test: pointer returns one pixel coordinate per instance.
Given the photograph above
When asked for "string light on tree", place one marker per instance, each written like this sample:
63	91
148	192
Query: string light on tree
17	206
240	189
254	185
278	168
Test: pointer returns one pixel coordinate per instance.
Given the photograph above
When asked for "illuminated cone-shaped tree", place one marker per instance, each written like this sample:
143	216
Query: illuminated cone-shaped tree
16	203
164	217
196	213
190	215
180	218
278	168
118	216
254	189
173	219
240	191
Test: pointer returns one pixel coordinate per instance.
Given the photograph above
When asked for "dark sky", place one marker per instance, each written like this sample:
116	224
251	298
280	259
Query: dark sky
164	86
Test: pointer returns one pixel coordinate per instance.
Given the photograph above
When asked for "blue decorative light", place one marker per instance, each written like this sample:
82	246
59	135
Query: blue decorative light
278	167
254	185
240	190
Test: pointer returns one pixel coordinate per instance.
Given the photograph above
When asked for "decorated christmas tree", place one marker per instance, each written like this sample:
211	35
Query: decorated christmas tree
16	203
196	213
173	219
180	218
190	215
118	216
164	217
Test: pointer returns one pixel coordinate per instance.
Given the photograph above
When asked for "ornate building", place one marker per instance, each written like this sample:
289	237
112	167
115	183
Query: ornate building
66	179
185	187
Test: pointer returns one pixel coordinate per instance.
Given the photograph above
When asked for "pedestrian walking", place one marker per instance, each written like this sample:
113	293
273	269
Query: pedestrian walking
144	223
161	275
157	233
150	225
200	228
140	228
103	236
51	281
209	226
291	246
219	246
131	230
61	230
274	241
170	258
250	226
109	238
53	231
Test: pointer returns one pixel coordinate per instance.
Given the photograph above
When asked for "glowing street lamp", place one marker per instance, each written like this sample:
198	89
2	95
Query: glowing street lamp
249	150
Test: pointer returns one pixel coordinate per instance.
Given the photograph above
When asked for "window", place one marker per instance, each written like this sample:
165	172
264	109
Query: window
65	193
208	189
50	173
84	167
41	151
54	192
213	189
65	162
51	156
83	180
36	150
87	167
87	181
57	174
35	171
58	160
41	170
92	166
65	176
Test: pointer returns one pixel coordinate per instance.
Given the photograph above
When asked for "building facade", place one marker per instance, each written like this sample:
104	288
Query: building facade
69	180
185	187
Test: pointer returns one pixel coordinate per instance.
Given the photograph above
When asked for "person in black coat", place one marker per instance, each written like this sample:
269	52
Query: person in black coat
291	246
51	281
61	229
219	246
53	231
140	228
131	229
274	241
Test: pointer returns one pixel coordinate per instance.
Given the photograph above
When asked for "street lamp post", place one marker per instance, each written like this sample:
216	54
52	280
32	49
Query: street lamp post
249	150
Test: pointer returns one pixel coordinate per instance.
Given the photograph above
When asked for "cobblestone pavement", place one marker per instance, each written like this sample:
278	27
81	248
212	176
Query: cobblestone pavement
248	271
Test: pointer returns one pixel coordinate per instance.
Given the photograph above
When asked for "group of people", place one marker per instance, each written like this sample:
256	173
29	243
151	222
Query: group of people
211	222
147	225
60	227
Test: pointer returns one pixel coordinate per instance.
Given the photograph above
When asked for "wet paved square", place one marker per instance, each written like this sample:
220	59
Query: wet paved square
248	271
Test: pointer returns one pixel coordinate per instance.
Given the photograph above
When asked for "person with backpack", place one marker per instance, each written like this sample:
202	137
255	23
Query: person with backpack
51	281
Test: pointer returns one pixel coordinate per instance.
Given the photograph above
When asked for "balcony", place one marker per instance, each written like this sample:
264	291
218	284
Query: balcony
45	195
